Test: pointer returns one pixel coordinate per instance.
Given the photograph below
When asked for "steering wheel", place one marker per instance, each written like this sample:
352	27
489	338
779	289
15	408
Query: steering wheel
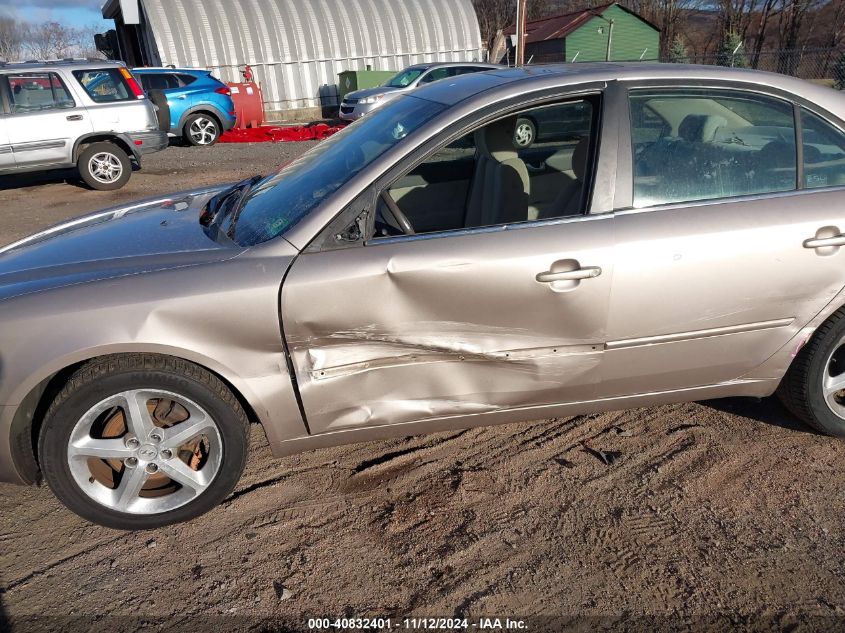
401	219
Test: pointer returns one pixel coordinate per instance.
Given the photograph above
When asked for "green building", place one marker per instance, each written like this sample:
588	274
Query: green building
608	32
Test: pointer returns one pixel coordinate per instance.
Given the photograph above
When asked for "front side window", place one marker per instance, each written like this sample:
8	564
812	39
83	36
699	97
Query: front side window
694	144
34	92
824	152
490	177
404	79
103	85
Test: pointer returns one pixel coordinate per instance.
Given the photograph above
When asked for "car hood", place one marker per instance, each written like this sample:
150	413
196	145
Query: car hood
370	92
146	236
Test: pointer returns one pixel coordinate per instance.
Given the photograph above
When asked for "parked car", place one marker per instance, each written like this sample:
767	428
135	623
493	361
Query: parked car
413	274
75	113
361	102
201	106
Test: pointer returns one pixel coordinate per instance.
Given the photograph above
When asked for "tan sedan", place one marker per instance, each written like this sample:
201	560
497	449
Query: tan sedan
671	233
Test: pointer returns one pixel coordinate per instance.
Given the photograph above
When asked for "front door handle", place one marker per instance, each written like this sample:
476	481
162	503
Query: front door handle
74	117
182	97
822	242
587	272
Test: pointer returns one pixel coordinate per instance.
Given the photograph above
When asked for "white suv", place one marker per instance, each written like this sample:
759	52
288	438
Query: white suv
88	114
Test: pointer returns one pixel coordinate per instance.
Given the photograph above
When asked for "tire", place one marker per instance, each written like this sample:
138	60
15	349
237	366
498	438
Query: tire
162	109
104	166
110	489
524	134
819	362
201	130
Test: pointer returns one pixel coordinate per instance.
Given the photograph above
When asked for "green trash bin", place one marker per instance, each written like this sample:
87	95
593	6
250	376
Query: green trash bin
352	80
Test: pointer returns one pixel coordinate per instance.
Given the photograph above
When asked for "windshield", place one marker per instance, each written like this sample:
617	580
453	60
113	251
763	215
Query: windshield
405	78
279	201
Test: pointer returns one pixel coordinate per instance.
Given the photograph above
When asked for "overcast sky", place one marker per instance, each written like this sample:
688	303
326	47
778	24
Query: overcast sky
70	12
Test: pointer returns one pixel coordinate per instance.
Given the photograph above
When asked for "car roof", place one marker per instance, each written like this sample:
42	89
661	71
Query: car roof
431	65
168	69
52	64
500	83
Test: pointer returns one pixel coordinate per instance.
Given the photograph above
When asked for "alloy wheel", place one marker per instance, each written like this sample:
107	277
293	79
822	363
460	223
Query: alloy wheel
833	379
524	134
145	451
105	167
203	131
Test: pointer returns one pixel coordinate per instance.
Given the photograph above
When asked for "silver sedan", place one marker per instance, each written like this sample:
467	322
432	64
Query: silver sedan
675	233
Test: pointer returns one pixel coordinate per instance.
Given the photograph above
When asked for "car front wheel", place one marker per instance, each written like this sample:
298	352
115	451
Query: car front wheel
140	441
814	387
201	130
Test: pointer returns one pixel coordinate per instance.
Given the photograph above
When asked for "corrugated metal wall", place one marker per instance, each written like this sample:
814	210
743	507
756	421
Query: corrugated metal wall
297	47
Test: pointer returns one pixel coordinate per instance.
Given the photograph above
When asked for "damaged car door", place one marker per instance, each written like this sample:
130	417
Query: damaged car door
386	324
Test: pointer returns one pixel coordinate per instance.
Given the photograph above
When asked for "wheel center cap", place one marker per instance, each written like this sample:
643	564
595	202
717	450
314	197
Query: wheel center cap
148	452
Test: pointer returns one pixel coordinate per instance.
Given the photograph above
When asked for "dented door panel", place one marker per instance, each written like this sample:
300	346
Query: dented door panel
414	329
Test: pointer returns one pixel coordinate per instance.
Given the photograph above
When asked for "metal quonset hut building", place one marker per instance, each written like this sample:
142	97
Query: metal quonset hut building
296	48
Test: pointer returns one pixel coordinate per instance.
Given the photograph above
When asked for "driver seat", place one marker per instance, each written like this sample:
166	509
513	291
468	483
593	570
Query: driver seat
500	185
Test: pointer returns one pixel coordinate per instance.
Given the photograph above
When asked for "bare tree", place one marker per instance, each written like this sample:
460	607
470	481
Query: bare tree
493	16
11	38
50	40
667	15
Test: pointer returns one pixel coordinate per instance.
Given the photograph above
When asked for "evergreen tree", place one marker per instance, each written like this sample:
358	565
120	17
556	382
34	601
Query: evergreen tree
678	51
732	51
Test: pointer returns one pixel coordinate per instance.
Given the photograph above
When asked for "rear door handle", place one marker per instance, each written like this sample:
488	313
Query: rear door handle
822	242
74	117
587	272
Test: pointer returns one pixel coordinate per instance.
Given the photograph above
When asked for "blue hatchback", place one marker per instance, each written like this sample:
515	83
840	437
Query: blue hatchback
201	106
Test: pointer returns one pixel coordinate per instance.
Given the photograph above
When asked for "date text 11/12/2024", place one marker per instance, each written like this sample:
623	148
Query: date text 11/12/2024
430	624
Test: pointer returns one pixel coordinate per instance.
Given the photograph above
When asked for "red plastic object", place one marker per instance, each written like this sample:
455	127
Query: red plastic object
249	104
277	134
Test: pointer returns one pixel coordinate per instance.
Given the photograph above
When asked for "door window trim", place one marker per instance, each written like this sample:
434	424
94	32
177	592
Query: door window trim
625	164
366	198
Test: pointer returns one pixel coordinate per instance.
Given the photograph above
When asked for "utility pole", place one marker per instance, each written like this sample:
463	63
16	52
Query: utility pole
521	12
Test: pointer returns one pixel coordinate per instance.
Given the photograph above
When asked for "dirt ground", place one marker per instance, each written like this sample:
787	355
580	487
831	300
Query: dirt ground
725	515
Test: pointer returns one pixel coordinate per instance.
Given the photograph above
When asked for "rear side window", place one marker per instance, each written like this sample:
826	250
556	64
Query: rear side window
706	144
104	85
33	92
824	152
437	74
186	80
158	81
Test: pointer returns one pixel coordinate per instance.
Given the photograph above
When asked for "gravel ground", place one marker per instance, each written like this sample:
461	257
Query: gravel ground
723	515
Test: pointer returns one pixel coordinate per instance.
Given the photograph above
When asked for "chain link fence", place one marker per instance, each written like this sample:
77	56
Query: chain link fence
826	65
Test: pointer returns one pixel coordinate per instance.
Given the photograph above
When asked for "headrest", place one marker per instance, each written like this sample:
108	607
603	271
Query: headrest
700	128
777	154
496	139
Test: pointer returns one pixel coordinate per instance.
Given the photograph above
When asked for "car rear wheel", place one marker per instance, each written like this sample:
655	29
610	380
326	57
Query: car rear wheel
201	130
104	166
814	387
140	441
